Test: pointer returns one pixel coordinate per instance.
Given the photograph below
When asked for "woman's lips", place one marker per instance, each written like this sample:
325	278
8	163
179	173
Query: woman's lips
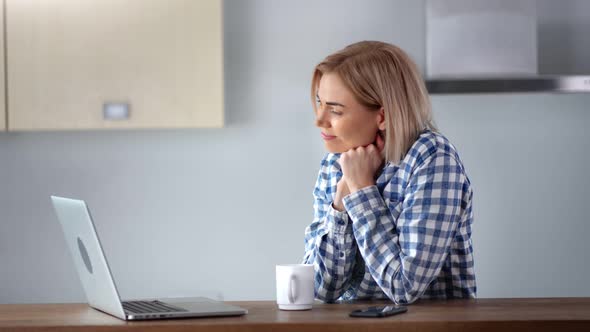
327	137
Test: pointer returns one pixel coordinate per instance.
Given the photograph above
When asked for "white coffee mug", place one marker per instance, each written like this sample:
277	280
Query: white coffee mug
295	286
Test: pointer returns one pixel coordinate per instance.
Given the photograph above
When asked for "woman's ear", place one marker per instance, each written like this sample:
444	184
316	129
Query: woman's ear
381	119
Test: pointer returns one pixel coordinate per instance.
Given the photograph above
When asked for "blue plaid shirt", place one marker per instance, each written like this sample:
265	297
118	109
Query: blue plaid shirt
406	237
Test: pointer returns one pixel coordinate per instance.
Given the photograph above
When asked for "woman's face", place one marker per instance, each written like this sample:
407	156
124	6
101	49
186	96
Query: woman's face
344	122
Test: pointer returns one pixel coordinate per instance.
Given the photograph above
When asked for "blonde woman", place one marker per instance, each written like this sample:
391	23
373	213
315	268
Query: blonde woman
392	211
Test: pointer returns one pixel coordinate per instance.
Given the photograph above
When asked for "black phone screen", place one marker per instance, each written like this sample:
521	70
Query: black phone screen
382	311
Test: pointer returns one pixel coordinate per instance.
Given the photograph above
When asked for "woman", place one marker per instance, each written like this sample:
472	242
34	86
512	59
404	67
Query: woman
392	211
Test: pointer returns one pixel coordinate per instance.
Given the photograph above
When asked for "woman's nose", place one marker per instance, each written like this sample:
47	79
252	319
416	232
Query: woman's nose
320	120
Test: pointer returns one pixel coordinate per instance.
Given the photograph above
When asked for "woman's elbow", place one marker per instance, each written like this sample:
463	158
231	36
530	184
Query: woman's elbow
326	295
406	295
326	298
405	298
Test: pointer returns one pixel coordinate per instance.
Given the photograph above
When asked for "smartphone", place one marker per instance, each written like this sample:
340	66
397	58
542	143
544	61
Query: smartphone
382	311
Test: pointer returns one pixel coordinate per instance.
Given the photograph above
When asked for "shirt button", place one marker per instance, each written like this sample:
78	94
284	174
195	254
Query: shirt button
341	255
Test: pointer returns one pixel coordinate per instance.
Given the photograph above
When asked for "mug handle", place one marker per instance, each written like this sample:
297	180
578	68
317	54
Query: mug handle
292	289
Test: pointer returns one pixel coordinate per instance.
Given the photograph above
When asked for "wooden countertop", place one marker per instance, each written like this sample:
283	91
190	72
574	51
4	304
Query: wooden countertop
551	314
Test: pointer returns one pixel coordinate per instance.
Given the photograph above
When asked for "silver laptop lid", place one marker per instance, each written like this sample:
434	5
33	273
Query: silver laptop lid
89	258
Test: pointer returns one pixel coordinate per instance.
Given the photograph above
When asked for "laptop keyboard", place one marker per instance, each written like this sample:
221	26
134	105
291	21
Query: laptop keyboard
146	307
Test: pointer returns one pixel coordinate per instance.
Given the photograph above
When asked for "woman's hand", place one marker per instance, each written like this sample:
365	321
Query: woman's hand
359	165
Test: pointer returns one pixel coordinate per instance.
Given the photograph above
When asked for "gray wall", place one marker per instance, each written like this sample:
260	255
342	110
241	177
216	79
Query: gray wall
211	211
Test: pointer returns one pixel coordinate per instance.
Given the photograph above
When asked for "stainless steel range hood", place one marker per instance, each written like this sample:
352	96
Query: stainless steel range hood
488	46
541	83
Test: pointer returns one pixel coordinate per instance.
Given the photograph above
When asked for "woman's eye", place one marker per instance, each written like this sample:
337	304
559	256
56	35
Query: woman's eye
333	111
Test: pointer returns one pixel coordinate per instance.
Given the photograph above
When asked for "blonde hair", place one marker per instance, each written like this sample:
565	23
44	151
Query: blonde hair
382	75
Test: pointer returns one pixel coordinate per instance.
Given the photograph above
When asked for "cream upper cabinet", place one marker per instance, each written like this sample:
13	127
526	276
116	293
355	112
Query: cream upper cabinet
98	64
2	87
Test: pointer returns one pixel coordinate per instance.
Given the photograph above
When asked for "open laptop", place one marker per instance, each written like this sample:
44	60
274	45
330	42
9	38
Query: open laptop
98	282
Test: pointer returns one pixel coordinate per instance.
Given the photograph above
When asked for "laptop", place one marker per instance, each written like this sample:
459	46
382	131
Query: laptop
99	285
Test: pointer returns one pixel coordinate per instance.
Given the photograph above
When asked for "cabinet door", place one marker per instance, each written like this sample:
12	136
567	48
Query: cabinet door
160	59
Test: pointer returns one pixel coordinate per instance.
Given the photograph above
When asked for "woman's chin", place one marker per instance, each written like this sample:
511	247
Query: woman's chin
335	148
332	149
340	148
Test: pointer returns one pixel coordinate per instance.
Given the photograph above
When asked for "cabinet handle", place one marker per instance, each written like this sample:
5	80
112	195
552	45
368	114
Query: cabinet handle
116	111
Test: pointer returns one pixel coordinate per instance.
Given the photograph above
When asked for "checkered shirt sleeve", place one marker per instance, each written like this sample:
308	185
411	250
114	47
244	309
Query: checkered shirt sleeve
329	242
